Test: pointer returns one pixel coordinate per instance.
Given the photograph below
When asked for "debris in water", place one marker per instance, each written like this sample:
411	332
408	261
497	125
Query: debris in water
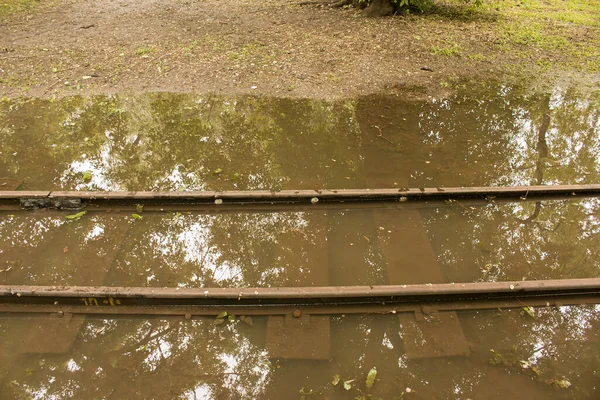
336	380
218	201
348	384
371	376
87	176
75	217
137	216
559	383
529	311
314	200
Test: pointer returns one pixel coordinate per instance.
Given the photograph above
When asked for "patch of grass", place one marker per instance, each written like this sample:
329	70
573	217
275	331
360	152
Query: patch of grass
251	50
550	33
9	7
478	57
449	51
188	50
140	51
577	12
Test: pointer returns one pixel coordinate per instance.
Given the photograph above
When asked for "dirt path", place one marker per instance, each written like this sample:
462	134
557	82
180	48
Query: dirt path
271	47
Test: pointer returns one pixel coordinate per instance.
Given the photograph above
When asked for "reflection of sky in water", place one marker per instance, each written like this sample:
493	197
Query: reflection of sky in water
174	142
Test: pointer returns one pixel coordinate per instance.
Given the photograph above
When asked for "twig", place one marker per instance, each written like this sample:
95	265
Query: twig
51	86
380	135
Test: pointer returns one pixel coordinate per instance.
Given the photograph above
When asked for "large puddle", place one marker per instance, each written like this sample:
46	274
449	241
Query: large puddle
482	136
510	354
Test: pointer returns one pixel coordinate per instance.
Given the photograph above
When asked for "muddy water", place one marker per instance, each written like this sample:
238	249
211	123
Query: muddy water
434	243
481	136
492	135
511	355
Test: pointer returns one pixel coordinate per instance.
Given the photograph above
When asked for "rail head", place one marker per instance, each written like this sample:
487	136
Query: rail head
78	199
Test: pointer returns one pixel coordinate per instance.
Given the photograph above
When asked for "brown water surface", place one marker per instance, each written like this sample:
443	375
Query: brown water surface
486	135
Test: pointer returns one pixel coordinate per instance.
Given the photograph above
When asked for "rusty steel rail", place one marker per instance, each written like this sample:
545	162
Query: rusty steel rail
310	300
78	199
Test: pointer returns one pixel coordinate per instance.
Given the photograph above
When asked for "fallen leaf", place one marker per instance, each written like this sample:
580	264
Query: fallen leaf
76	216
348	384
336	380
87	176
137	216
139	208
371	378
559	383
66	249
218	321
222	314
529	311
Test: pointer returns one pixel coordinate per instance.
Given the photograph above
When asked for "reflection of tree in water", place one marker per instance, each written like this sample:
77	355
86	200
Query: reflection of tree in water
180	249
493	243
171	142
490	137
175	142
175	359
484	135
151	359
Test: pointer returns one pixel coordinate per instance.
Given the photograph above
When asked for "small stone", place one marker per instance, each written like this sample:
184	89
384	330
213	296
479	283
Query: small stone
297	313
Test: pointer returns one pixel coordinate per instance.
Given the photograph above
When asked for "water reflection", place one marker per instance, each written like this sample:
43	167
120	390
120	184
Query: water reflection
512	354
485	135
454	242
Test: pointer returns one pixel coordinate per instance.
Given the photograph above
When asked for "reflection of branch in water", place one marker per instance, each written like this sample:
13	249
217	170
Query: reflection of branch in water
147	339
542	149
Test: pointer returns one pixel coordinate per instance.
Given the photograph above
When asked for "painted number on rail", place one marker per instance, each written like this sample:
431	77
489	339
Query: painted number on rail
92	301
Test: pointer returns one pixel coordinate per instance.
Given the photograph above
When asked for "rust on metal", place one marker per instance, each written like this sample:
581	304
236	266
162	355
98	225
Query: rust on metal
318	309
284	300
75	199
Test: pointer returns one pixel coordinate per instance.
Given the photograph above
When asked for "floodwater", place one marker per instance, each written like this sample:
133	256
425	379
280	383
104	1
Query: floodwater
482	136
456	242
511	355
